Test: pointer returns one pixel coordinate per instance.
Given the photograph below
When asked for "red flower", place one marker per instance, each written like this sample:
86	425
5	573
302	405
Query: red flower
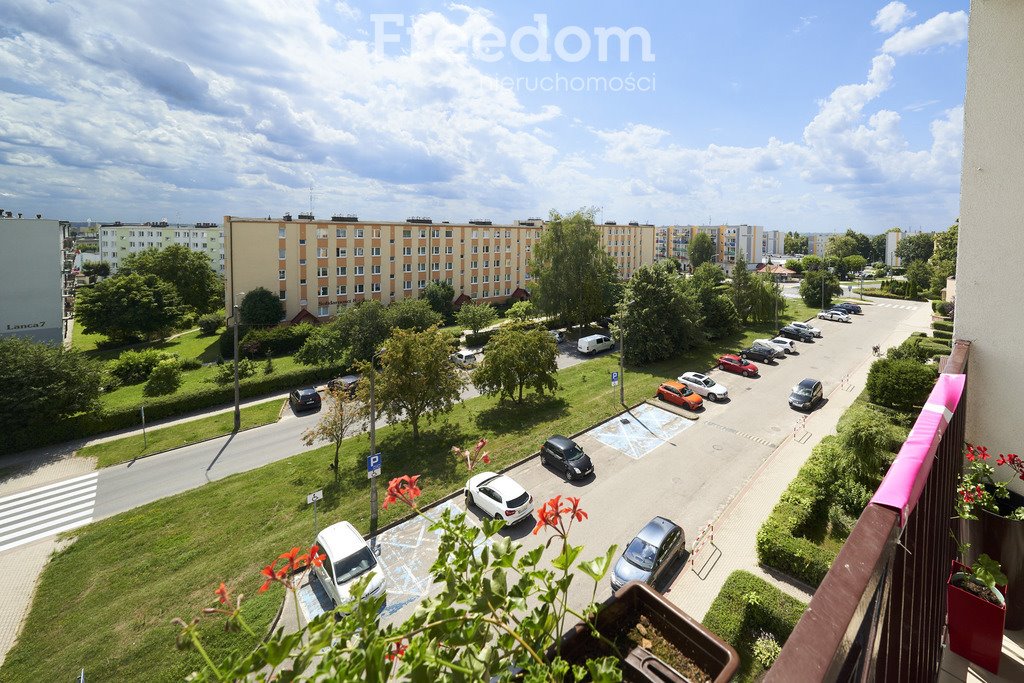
575	511
397	650
292	560
481	443
223	593
316	558
487	459
271	575
550	514
403	488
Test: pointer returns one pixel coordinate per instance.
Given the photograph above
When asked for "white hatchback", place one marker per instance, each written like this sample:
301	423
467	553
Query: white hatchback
807	328
499	496
787	345
702	385
348	559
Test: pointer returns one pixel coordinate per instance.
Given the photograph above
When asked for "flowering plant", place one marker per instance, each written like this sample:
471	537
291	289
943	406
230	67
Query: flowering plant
978	488
498	613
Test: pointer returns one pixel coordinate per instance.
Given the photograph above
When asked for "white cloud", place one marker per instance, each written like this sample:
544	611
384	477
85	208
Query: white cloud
347	11
945	28
892	16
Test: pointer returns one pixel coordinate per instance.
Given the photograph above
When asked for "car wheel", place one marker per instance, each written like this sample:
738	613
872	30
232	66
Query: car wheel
469	500
721	367
712	398
497	516
568	474
745	373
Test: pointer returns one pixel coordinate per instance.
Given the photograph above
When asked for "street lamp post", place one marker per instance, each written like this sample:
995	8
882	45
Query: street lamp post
373	449
238	410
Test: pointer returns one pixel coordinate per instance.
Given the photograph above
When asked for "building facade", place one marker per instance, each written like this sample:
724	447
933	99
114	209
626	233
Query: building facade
892	240
729	240
34	275
816	243
773	242
320	266
117	240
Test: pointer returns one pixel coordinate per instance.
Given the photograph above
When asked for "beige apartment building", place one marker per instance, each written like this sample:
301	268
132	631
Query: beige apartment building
319	266
729	240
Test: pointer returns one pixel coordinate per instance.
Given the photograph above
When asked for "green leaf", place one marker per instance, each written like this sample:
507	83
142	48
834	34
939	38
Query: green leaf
492	526
598	567
567	557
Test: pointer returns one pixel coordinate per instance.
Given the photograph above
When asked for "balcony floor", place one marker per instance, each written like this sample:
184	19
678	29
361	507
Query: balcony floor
1011	667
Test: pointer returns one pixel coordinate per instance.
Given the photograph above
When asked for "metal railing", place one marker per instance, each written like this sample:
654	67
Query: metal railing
879	613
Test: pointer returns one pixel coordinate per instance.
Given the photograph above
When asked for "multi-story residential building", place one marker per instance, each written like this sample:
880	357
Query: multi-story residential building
816	242
317	266
773	242
729	240
892	240
35	277
117	240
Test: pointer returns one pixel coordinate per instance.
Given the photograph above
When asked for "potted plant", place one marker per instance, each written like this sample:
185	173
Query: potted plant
976	609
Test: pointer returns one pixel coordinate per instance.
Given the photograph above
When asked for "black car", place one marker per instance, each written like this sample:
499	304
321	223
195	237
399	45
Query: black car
304	399
847	307
348	384
567	457
605	321
796	334
650	554
758	353
806	395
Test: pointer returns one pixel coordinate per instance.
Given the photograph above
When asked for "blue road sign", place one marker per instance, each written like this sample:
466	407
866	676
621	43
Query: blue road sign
615	379
373	465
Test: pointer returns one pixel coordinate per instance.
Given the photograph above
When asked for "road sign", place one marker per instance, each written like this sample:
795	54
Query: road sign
315	496
615	379
373	466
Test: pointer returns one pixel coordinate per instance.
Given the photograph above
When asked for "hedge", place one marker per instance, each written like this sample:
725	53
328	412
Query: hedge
209	396
942	334
943	325
888	295
254	342
746	606
479	339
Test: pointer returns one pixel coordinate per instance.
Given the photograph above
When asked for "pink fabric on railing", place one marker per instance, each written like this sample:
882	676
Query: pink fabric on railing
902	485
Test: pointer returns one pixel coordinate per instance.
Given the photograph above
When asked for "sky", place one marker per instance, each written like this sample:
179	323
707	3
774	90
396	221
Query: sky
793	115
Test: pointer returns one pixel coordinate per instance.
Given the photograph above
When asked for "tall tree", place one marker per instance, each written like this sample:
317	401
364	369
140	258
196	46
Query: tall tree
945	245
796	265
717	311
659	316
412	314
363	329
795	243
919	278
261	308
742	285
522	311
766	300
815	293
840	246
516	358
101	268
812	262
476	316
573	276
878	248
416	378
128	307
441	296
916	247
191	273
701	250
339	419
863	243
855	263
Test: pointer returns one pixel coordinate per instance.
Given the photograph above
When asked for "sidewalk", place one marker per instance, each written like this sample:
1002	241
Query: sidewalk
735	528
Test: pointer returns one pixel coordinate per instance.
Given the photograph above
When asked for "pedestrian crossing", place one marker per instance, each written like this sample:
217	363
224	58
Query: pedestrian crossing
901	306
46	510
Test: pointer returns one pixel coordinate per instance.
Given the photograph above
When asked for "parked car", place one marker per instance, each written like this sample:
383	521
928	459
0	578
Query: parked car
650	554
567	457
557	335
704	386
304	399
734	363
836	314
778	350
348	384
499	496
595	343
762	354
806	395
847	307
786	345
604	321
815	332
348	558
796	333
679	394
465	358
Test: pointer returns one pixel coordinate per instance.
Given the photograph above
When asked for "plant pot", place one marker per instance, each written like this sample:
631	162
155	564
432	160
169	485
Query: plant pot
1001	539
975	624
672	628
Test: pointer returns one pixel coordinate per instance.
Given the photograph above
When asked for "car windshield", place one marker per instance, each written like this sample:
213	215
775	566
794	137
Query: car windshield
641	553
574	453
685	391
708	382
801	391
518	501
354	565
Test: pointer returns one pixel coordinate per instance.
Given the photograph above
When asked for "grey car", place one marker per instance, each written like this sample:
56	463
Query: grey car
650	554
806	395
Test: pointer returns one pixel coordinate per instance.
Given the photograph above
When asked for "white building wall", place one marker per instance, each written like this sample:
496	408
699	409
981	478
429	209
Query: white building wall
892	240
31	297
988	310
117	241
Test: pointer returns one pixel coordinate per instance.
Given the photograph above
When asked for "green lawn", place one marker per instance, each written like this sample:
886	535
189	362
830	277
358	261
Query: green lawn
188	345
106	601
130	447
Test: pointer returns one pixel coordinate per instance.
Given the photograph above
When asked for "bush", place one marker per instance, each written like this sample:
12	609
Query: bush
766	649
226	372
133	367
943	325
165	378
210	323
277	341
479	339
901	384
191	364
942	334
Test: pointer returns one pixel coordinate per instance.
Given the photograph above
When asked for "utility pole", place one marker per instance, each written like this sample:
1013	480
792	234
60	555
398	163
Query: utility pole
238	410
373	451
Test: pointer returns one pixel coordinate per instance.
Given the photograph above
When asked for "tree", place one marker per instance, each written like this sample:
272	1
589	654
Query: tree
440	295
868	440
840	246
717	311
363	329
814	293
164	379
660	316
198	286
945	245
677	265
261	308
338	420
210	323
919	278
515	358
43	384
707	275
417	377
878	247
701	250
863	243
522	311
324	346
476	316
900	384
795	243
766	300
916	247
796	265
742	288
573	276
128	307
812	262
855	263
90	268
412	314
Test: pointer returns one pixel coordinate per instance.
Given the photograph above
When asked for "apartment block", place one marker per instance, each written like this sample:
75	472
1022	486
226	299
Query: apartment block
816	242
729	240
117	240
773	242
35	275
320	266
892	240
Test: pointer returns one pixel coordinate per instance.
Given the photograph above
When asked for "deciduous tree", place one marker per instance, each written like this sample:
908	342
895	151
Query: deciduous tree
814	293
412	314
840	246
795	243
855	263
441	296
916	247
339	418
128	307
261	308
476	316
812	262
659	317
742	288
766	300
518	357
522	311
198	286
701	250
919	278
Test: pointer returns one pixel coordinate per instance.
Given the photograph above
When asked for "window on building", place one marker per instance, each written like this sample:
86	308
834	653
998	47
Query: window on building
473	279
375	270
322	291
342	289
447	233
359	289
448	266
376	232
375	287
449	281
341	233
359	233
281	295
406	251
475	249
448	250
322	311
321	233
302	240
342	270
374	251
474	235
321	272
421	251
435	266
423	232
473	264
302	281
407	285
359	251
302	261
321	252
359	270
280	275
486	293
436	250
487	264
487	278
341	252
422	284
407	234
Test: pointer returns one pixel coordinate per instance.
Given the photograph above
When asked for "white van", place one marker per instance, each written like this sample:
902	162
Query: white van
465	359
595	343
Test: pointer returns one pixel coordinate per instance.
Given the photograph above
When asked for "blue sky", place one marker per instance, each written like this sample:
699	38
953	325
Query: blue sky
793	115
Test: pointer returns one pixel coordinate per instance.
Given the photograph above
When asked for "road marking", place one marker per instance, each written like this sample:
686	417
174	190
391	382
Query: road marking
47	510
61	484
745	435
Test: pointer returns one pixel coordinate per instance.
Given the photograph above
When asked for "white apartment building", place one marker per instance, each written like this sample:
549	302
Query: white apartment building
773	242
892	240
816	242
33	276
729	240
117	240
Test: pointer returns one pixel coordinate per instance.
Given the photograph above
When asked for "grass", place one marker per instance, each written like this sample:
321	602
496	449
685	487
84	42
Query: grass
192	344
157	440
106	601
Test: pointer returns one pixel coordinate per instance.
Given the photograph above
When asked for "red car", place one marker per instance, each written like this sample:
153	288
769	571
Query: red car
734	363
679	394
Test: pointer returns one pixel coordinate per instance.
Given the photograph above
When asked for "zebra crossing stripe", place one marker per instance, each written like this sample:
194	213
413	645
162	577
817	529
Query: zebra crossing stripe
47	510
60	484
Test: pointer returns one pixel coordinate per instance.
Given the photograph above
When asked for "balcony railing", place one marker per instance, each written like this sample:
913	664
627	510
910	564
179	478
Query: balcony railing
878	615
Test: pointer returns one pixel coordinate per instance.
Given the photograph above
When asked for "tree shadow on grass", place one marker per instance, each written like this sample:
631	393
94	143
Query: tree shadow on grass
508	416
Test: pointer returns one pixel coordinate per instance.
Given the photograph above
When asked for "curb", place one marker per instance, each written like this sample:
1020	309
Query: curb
672	409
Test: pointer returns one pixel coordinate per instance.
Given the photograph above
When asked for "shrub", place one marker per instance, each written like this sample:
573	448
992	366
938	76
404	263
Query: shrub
276	341
479	339
268	365
766	649
900	384
943	325
133	367
191	364
210	323
165	378
226	372
942	334
868	441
